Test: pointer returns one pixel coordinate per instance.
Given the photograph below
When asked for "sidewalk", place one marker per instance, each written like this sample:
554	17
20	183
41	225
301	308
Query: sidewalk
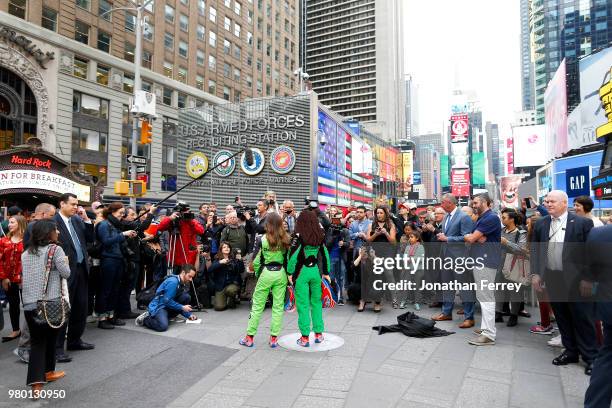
203	366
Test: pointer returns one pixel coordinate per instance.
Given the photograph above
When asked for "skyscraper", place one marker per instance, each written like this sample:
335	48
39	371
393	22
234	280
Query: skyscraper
412	108
527	84
493	149
353	53
570	30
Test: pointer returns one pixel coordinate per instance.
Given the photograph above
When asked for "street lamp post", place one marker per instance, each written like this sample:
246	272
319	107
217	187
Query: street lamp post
139	7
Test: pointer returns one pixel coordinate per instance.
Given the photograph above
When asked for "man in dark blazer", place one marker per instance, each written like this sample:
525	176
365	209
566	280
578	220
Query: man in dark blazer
599	244
75	232
558	256
455	226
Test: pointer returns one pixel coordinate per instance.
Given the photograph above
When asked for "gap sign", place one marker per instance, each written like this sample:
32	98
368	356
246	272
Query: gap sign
577	181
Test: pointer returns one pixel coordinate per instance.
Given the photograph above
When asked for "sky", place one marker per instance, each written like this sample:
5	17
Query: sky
473	42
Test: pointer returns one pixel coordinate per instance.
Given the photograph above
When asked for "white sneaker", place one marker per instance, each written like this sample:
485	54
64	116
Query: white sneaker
555	342
140	319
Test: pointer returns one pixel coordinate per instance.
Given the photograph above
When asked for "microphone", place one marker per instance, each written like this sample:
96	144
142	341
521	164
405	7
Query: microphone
248	157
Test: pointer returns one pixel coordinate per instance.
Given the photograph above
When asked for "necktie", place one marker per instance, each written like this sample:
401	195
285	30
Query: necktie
448	217
75	241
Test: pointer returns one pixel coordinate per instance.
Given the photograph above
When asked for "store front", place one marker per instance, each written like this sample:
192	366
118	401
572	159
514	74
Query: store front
30	175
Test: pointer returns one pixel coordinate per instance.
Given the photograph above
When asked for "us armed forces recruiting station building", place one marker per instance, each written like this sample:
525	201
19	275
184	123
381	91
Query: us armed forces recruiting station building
300	147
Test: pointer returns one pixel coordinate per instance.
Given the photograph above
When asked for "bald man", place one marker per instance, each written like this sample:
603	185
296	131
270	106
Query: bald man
558	254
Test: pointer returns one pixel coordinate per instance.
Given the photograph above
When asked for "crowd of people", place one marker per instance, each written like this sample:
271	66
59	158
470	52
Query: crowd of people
177	261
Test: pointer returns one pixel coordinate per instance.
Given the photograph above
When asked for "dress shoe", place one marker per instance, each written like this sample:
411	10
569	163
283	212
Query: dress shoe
565	359
512	321
81	346
54	375
62	357
588	370
499	317
130	315
467	323
440	317
118	322
524	313
105	325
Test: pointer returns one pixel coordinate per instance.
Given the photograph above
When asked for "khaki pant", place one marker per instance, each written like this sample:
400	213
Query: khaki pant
227	294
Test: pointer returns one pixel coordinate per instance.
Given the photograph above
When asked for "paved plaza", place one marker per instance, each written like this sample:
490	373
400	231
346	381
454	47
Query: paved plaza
203	366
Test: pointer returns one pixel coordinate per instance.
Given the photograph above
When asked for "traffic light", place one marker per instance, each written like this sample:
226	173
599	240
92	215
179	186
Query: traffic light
131	188
139	188
146	132
122	187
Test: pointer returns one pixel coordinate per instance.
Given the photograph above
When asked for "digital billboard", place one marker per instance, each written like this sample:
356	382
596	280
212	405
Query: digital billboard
529	145
555	114
593	70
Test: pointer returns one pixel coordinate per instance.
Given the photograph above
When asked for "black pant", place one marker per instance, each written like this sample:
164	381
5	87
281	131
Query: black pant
111	271
92	288
77	288
12	295
126	285
42	349
599	393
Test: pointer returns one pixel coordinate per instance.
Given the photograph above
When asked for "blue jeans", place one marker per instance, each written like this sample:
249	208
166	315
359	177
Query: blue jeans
448	296
159	322
338	273
599	393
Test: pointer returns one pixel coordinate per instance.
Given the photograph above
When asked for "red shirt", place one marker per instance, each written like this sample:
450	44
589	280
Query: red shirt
188	230
10	259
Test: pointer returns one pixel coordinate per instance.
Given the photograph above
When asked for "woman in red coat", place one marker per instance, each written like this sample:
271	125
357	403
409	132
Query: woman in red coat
11	248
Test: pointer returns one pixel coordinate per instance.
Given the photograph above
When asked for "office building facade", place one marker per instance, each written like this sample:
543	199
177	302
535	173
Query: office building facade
412	108
353	54
527	84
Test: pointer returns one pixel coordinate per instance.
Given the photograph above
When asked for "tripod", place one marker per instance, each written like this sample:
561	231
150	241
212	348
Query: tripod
174	236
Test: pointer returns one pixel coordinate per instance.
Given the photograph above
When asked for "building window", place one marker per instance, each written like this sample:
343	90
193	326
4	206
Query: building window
200	57
212	62
130	21
184	22
237	75
87	139
128	83
168	41
212	39
150	6
146	86
249	81
201	7
183	49
249	38
102	74
168	154
81	32
79	67
17	8
259	67
227	47
249	59
89	105
104	6
182	100
212	87
237	95
237	30
226	93
182	75
259	86
237	7
148	31
49	19
104	41
128	52
169	14
228	3
147	59
201	32
168	67
168	182
237	52
200	82
212	15
167	96
227	70
227	24
86	4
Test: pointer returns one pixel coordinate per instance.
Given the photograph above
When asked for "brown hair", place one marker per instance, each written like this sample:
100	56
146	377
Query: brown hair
388	223
416	234
219	255
275	233
22	225
309	228
111	208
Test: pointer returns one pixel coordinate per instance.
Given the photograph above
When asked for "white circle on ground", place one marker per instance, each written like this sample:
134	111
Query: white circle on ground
330	342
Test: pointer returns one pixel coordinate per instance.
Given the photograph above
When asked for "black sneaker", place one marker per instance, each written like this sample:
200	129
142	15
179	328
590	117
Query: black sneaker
341	302
105	324
117	322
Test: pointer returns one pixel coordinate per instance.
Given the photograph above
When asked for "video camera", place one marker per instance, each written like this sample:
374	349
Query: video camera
240	211
183	210
311	203
336	224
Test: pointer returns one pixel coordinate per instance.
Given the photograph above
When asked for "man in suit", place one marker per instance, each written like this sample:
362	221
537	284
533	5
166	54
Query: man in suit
557	261
456	225
75	232
599	244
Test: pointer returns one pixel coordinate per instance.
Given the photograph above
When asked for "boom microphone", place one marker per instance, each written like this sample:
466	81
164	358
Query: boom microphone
248	156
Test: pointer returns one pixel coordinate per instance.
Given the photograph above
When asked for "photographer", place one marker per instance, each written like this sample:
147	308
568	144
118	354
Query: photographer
270	197
337	241
212	234
226	272
313	205
235	234
183	229
132	250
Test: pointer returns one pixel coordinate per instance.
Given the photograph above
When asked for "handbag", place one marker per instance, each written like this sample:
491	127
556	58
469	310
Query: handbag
517	269
53	313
